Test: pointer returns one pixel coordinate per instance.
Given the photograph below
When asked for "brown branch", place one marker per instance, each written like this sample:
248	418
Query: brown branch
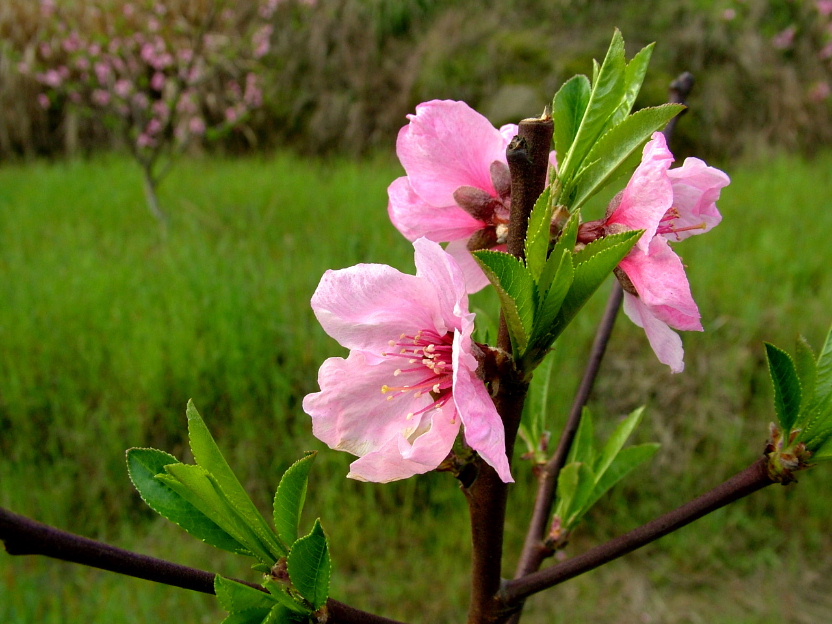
753	478
528	161
24	536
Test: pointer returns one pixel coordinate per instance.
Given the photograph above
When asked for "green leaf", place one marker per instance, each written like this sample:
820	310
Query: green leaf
516	290
818	413
310	566
583	446
208	455
580	503
633	79
551	303
196	486
824	452
281	615
617	151
566	242
567	488
617	440
280	593
568	108
806	365
252	616
593	264
538	234
607	94
289	498
625	462
787	394
235	596
143	465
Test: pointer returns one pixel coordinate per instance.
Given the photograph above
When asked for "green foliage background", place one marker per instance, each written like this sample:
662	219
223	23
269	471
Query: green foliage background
107	330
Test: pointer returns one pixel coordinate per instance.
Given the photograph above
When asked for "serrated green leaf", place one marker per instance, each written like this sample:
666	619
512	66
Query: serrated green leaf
538	234
281	615
618	150
607	93
279	592
566	242
818	412
208	455
567	487
806	365
787	393
143	465
568	108
235	597
252	616
624	463
824	452
583	446
516	291
593	264
633	79
196	486
617	440
310	566
551	303
289	498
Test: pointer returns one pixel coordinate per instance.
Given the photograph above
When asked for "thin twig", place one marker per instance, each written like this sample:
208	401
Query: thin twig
24	536
753	478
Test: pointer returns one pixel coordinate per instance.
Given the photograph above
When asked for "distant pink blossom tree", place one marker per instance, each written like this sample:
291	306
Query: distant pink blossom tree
161	74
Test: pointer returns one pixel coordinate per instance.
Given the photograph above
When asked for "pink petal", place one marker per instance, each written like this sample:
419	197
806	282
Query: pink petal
665	342
659	277
444	275
367	305
414	218
508	132
475	279
447	145
649	194
400	459
484	430
696	188
351	413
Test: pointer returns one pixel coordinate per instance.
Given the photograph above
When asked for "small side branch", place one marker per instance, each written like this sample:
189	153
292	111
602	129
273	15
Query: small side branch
24	536
753	478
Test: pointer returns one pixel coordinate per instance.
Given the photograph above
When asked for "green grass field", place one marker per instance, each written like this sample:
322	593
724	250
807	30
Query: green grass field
107	328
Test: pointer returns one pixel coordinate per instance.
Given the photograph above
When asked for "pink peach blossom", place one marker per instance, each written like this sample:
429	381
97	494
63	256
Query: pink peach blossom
457	188
410	381
669	205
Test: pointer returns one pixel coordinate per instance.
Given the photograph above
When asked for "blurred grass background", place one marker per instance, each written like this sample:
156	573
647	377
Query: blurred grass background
106	328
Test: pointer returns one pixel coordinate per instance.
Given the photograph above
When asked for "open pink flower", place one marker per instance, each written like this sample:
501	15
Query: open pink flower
410	380
670	205
457	188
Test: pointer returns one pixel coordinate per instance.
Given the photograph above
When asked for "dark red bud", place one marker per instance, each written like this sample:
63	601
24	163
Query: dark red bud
501	178
477	202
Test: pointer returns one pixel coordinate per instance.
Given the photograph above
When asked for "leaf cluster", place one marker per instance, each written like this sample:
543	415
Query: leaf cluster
208	501
803	396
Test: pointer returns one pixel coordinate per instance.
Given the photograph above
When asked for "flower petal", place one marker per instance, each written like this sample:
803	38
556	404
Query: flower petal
399	459
696	188
660	280
665	342
414	217
446	278
351	413
475	279
484	430
367	305
446	145
649	193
